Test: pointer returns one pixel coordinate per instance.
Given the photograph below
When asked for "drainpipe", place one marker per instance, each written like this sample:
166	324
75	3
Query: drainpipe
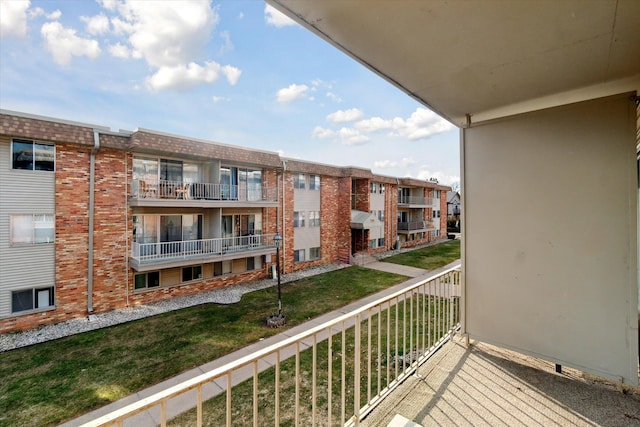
92	170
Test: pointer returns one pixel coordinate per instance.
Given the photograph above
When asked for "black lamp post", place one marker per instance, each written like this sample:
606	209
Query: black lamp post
278	240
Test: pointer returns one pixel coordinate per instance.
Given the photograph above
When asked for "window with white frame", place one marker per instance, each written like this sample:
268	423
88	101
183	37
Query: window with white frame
32	229
33	156
314	253
299	181
314	182
381	242
298	219
437	194
147	280
298	255
373	188
381	189
314	219
32	299
381	215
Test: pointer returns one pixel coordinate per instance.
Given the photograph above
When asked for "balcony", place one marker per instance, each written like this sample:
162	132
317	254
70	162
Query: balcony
333	373
413	227
174	193
148	256
414	201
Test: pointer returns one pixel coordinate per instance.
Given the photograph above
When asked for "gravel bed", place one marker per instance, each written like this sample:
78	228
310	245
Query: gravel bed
229	295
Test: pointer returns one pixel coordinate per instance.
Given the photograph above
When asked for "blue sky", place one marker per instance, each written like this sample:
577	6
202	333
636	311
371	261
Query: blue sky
232	71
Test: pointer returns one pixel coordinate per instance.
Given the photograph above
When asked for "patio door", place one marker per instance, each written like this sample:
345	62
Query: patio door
171	233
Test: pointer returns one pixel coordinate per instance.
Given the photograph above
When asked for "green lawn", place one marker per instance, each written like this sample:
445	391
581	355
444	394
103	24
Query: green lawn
429	258
58	380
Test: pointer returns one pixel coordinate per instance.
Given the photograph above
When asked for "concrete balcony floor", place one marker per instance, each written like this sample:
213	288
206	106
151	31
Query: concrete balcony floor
483	385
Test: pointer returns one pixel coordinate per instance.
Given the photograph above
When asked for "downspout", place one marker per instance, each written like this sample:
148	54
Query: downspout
126	229
92	170
284	241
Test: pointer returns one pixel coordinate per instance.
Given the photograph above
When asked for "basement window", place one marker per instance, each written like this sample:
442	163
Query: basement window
32	299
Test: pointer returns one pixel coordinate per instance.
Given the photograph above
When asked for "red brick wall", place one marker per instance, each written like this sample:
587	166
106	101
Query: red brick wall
335	224
160	294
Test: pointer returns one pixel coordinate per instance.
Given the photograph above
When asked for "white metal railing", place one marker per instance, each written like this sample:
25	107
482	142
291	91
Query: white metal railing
350	364
414	200
412	225
148	252
144	189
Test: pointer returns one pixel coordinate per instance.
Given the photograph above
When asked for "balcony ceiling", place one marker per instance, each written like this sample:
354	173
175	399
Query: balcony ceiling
487	58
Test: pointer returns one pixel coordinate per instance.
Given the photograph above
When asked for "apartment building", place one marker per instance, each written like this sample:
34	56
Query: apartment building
93	220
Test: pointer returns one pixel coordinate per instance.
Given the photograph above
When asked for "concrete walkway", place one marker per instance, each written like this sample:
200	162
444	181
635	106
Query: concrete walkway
179	405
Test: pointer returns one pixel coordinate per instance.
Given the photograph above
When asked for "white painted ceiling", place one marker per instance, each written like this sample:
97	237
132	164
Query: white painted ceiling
486	58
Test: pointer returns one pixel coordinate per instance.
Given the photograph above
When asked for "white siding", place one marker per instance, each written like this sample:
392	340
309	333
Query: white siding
23	192
306	201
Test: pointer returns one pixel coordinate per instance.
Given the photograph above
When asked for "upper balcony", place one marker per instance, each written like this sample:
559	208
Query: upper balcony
413	227
150	256
196	194
414	201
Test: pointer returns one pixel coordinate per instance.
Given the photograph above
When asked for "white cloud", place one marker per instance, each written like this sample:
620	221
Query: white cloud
13	18
227	44
167	33
95	25
442	177
217	99
64	44
291	93
334	97
109	4
421	124
322	133
276	18
56	14
120	51
182	77
386	164
342	116
349	136
374	124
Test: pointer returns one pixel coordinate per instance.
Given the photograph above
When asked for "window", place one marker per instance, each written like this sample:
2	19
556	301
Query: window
437	193
434	214
314	182
298	256
251	264
381	189
381	216
437	233
220	268
191	273
29	155
437	214
31	299
373	188
146	280
314	253
381	242
32	229
299	181
298	219
373	243
314	219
